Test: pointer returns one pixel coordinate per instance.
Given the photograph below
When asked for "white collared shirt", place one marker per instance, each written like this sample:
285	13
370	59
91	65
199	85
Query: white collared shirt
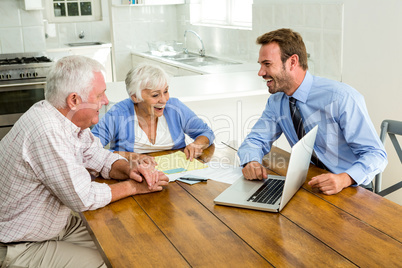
163	139
45	166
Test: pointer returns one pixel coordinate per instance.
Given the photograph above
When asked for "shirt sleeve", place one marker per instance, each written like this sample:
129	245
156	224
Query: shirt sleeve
192	125
104	130
62	163
363	140
259	141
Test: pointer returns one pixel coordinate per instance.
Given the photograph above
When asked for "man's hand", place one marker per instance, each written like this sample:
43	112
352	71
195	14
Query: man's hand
144	187
330	183
131	187
147	171
254	171
136	170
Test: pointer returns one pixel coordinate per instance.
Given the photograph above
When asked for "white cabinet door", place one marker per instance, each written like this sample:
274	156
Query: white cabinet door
101	54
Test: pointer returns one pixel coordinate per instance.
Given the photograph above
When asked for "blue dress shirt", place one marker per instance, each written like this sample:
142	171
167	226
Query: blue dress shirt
346	139
117	126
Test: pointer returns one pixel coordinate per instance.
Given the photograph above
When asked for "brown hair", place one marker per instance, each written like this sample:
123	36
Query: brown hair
289	42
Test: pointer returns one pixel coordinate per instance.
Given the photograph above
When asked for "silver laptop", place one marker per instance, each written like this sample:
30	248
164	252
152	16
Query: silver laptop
273	193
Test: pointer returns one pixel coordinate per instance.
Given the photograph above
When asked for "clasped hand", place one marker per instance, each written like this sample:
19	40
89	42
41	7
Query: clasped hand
143	167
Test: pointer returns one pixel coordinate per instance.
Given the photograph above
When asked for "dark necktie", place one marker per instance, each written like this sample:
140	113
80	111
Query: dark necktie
296	118
298	125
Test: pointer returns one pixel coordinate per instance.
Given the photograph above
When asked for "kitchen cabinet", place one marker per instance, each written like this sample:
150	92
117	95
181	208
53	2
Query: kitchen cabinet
172	70
101	53
33	4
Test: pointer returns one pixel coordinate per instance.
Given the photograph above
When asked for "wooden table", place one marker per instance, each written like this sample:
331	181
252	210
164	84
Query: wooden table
182	227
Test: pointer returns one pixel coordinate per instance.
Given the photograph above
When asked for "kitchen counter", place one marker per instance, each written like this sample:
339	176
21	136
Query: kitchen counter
203	87
64	47
242	67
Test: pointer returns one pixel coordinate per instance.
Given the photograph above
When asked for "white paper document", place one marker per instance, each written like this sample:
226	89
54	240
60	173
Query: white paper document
215	171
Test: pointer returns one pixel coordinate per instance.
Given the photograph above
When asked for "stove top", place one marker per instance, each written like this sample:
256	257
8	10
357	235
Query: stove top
22	66
23	60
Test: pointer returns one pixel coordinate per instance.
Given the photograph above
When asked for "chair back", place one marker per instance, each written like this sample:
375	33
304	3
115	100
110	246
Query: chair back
392	128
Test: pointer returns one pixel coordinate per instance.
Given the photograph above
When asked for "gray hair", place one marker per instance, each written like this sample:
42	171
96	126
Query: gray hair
68	75
145	76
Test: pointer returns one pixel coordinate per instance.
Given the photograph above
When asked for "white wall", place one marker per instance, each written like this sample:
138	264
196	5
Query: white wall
319	22
372	53
24	30
60	34
20	30
134	25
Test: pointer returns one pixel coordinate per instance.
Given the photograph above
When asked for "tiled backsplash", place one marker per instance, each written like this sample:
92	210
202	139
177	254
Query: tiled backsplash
24	31
20	30
319	22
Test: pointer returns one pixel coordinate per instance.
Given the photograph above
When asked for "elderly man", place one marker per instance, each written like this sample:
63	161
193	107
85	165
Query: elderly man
46	164
347	145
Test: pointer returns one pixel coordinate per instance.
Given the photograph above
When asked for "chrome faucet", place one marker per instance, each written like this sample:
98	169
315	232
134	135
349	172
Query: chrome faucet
202	50
81	35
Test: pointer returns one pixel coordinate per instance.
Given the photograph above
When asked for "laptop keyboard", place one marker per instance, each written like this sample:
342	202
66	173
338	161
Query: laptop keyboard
269	192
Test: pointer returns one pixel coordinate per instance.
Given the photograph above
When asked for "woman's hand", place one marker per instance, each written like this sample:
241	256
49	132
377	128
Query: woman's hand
195	149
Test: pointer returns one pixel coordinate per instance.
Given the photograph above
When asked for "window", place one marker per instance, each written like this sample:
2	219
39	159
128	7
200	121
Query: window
234	13
73	10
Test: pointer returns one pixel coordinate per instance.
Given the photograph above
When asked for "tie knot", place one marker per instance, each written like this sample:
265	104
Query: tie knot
292	100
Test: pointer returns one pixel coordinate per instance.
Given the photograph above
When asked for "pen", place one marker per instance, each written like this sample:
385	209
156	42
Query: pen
193	179
229	146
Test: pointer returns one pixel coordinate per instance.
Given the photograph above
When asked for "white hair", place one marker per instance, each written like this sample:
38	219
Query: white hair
68	75
145	76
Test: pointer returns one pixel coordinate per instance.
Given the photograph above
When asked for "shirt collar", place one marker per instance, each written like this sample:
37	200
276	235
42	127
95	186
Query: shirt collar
67	124
303	90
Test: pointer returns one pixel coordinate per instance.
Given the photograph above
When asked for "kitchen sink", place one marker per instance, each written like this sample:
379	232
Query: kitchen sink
206	61
81	44
195	60
182	56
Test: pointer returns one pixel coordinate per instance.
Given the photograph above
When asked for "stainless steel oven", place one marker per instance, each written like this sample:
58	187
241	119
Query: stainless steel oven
22	83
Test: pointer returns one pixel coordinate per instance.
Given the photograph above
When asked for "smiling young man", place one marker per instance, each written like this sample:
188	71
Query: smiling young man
347	145
46	164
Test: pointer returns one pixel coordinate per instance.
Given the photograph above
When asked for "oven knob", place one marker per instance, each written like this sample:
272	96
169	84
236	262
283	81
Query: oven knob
29	75
22	75
35	74
8	76
2	77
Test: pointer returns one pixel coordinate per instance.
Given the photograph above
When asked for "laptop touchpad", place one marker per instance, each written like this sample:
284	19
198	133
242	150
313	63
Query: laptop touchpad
245	186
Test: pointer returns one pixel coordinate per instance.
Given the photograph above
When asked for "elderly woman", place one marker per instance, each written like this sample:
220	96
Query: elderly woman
150	120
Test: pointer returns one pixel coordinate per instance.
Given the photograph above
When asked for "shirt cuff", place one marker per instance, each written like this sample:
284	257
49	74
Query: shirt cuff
108	164
357	174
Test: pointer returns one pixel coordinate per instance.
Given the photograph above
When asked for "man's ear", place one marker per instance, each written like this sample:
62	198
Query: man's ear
73	100
294	61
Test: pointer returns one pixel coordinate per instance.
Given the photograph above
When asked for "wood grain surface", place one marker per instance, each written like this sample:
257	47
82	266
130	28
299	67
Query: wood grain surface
182	227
